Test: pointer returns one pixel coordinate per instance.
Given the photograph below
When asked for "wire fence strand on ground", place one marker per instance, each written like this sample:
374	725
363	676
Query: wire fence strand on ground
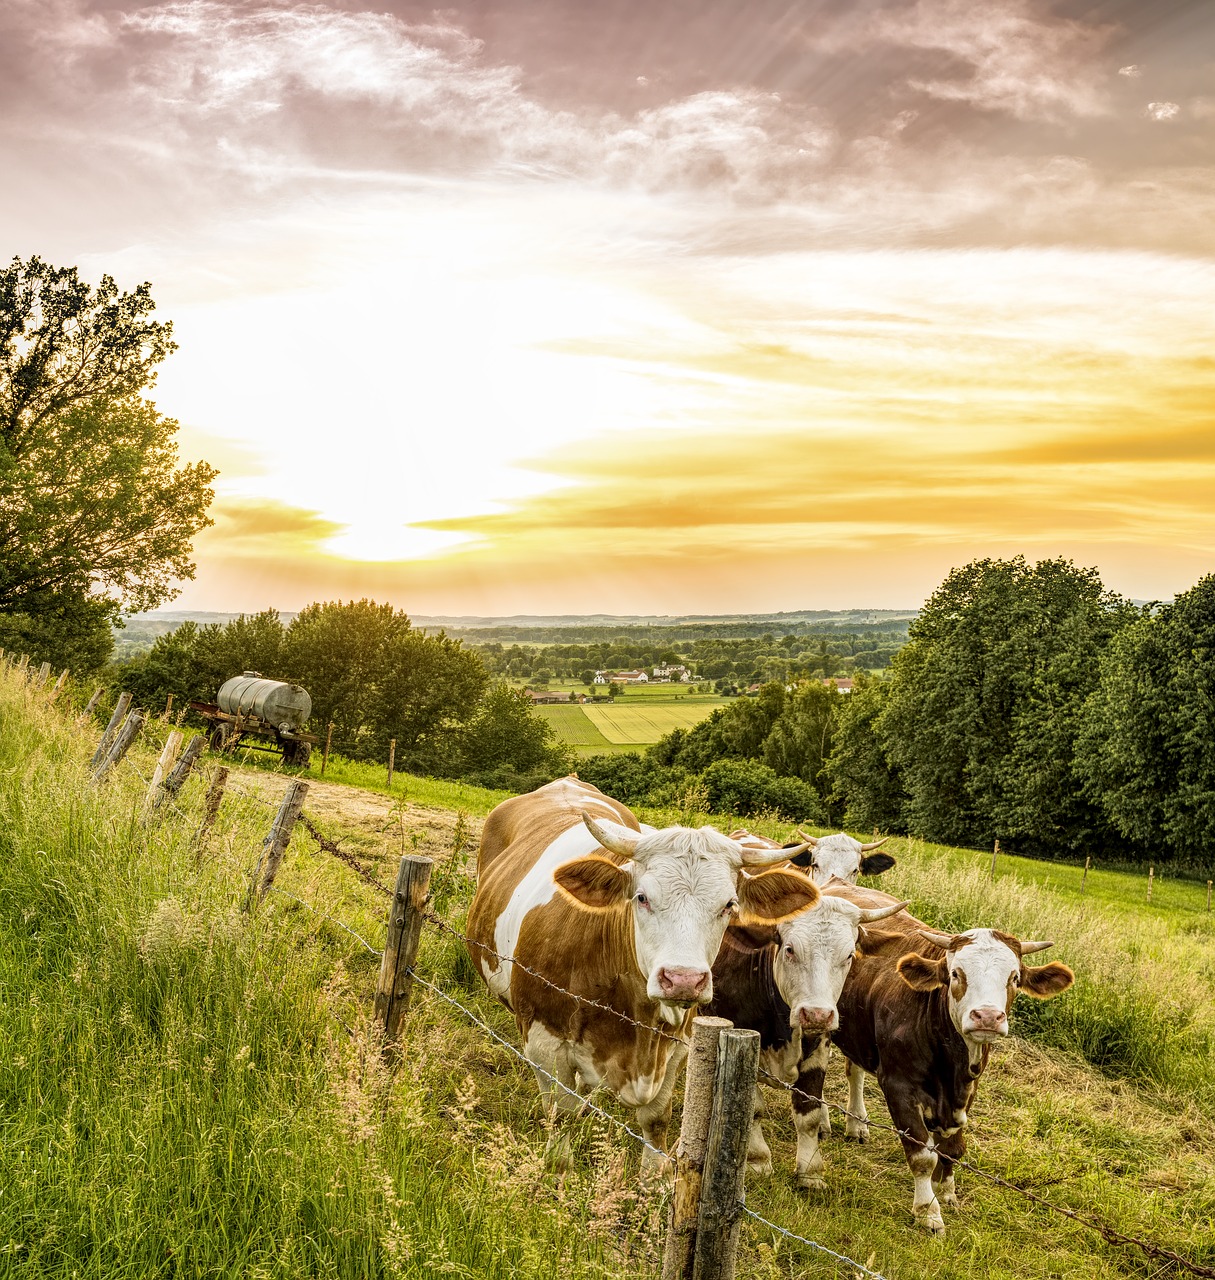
813	1244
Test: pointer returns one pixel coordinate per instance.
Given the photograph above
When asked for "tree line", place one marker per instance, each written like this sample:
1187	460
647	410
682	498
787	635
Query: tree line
1030	705
376	678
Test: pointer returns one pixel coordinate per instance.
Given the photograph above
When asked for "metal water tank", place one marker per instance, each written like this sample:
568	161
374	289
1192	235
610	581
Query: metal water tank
285	706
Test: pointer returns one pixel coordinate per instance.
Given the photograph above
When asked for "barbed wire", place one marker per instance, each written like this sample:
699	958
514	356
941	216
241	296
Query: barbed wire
1111	1234
317	911
332	847
813	1244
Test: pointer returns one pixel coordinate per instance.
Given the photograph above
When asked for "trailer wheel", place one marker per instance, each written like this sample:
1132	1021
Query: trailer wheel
297	754
218	738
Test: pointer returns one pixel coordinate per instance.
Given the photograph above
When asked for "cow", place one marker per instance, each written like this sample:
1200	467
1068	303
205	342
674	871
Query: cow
784	981
837	857
924	1025
600	936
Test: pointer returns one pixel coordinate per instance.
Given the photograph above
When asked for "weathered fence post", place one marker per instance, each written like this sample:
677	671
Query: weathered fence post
392	993
328	744
274	847
181	771
679	1255
168	757
723	1186
103	747
44	672
126	735
392	756
24	662
57	689
995	853
168	707
1151	877
1084	876
90	707
215	793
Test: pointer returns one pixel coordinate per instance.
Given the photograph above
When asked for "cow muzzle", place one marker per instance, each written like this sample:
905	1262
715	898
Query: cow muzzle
988	1023
684	986
819	1020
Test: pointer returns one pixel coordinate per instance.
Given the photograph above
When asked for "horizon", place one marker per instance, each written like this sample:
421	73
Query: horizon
551	309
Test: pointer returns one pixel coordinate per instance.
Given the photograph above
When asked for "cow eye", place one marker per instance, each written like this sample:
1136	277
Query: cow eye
789	951
730	908
642	900
955	974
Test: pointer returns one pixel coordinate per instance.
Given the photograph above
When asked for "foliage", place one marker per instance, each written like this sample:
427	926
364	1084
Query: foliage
1148	749
95	512
798	744
986	702
865	782
506	732
748	787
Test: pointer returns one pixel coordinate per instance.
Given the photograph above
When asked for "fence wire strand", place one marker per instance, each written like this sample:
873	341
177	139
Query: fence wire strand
318	912
813	1244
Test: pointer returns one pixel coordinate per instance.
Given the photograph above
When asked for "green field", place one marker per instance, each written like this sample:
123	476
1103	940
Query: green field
637	719
192	1090
622	722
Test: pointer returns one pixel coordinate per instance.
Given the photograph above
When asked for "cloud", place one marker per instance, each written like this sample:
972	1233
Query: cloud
1004	56
1163	110
1133	72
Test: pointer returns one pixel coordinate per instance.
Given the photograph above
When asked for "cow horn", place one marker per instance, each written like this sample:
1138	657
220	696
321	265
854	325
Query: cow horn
810	840
941	940
765	857
1028	948
870	914
613	837
877	844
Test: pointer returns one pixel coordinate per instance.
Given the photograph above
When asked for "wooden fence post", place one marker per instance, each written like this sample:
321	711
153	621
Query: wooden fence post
1084	877
24	662
126	735
1151	877
995	853
168	758
328	744
90	707
393	992
58	687
173	783
44	672
103	747
215	793
679	1255
723	1187
168	707
392	756
274	847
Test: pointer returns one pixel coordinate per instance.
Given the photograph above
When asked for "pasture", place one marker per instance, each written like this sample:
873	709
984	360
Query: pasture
193	1090
636	720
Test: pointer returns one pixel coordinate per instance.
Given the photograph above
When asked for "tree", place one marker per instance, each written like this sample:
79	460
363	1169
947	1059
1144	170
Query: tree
506	732
799	741
95	514
864	780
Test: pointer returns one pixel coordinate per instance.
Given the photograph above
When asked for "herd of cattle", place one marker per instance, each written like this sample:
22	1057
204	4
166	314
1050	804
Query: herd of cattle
605	937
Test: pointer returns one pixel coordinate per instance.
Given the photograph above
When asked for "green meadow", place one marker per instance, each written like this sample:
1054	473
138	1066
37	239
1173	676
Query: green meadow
635	720
190	1089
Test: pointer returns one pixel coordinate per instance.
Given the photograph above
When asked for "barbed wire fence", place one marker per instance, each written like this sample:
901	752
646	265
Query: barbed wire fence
112	752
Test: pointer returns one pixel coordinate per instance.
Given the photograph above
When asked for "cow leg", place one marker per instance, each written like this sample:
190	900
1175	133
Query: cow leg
856	1126
759	1155
920	1150
557	1082
807	1116
950	1148
655	1117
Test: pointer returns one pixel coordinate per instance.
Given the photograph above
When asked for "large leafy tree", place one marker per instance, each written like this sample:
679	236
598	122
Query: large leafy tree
1147	751
865	781
986	703
95	513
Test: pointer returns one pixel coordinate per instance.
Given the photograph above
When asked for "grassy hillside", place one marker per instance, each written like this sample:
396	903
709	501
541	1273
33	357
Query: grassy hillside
189	1090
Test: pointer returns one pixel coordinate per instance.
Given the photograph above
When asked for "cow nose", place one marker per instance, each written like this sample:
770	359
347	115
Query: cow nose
816	1019
988	1019
683	984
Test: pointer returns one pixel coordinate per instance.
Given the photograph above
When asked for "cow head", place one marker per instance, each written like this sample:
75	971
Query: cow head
814	954
682	887
983	970
842	857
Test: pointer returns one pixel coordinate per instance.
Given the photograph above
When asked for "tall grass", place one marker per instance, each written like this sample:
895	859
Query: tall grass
186	1090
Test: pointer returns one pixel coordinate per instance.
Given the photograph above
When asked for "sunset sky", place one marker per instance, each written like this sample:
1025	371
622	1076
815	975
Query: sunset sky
649	306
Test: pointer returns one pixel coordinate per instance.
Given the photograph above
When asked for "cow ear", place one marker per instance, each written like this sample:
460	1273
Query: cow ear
879	942
1046	980
594	882
748	939
773	896
803	859
922	974
873	864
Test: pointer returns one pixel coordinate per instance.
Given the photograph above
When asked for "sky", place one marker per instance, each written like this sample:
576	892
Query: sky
549	306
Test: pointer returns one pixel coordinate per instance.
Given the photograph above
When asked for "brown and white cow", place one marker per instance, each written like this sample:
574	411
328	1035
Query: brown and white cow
784	981
924	1025
572	887
838	857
